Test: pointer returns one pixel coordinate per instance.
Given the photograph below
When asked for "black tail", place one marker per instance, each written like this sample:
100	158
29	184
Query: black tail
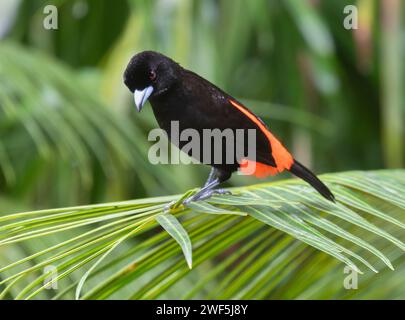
301	172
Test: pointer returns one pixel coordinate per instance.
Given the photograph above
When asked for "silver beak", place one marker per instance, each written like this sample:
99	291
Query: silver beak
141	96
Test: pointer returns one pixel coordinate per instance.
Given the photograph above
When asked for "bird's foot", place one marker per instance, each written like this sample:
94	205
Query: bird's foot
205	195
221	191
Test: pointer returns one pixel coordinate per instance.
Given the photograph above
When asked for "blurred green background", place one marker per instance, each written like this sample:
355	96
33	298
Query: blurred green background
70	134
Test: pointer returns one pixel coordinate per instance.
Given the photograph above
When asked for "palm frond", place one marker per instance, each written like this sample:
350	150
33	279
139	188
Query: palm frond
119	250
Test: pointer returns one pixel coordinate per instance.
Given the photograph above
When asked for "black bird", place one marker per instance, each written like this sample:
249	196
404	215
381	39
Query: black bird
177	94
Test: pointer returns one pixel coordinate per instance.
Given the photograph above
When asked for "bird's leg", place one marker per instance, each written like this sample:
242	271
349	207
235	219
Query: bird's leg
211	177
204	193
214	179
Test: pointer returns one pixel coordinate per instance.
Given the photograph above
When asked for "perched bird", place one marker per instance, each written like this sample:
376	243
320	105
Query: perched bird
177	94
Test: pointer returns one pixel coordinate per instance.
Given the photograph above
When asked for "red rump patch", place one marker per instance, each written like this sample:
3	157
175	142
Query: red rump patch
260	170
281	156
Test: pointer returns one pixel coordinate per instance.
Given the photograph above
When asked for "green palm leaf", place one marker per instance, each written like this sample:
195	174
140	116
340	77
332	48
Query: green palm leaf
118	250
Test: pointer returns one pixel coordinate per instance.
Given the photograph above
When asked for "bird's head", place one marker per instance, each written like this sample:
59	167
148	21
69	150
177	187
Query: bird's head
149	74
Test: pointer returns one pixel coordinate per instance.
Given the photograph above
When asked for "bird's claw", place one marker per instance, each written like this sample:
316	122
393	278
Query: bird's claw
205	195
221	191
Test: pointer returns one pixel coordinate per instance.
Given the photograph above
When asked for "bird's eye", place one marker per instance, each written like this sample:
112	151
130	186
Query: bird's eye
152	75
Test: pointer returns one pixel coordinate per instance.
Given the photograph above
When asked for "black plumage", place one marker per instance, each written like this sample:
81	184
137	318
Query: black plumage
177	94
